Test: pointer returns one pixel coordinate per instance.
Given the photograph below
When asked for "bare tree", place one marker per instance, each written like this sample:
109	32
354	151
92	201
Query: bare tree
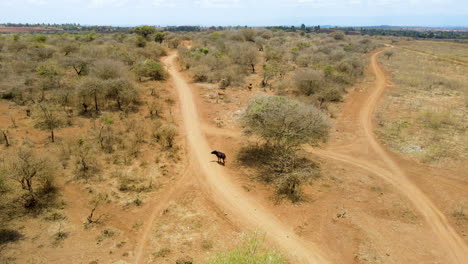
86	163
95	202
49	118
25	168
5	137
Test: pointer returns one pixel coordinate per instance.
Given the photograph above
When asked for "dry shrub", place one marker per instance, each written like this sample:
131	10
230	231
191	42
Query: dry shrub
308	81
200	73
165	135
108	69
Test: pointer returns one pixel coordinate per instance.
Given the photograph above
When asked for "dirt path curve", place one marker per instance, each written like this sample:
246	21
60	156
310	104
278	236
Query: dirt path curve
394	174
157	207
231	198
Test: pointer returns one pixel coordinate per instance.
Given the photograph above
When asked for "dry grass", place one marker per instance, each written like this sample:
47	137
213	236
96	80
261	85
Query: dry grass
425	116
449	50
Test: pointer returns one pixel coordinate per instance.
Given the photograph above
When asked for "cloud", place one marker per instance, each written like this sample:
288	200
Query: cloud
218	3
165	3
37	2
107	3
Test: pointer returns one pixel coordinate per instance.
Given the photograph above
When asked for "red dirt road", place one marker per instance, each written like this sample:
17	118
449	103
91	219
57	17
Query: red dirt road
227	195
391	171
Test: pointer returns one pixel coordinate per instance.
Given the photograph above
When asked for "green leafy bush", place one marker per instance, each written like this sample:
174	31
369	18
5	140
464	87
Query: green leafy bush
250	251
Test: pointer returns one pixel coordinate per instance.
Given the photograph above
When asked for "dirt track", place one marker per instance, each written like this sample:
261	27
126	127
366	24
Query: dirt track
393	172
228	196
364	152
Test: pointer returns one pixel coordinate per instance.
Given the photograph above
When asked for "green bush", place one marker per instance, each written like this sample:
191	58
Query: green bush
150	69
250	251
39	38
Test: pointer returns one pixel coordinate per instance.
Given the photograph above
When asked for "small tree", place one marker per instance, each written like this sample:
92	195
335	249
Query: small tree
6	138
108	69
49	118
159	37
25	168
308	81
166	134
284	123
140	42
270	70
122	91
79	64
249	34
95	202
69	48
338	35
245	54
86	163
144	31
91	89
150	69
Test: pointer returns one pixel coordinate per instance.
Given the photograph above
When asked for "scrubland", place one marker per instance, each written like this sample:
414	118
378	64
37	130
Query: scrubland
95	165
88	133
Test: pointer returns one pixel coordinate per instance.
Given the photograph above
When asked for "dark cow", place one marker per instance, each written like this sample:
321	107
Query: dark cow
221	156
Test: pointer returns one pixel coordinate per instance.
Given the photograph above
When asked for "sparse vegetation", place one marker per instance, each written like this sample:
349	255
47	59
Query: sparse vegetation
89	135
423	116
315	65
77	112
250	251
283	124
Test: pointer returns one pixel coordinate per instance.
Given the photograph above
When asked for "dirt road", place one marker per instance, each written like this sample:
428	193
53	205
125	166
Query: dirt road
231	198
393	172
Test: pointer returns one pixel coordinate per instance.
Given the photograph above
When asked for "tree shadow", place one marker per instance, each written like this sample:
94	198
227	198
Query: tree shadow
9	236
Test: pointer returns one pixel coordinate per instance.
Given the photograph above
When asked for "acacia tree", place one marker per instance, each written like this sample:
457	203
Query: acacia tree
91	89
79	64
285	123
270	70
150	69
144	31
159	37
69	48
86	163
122	91
25	168
245	54
308	81
49	118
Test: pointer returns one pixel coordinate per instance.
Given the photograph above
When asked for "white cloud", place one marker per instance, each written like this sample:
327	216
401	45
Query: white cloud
37	2
218	3
107	3
165	3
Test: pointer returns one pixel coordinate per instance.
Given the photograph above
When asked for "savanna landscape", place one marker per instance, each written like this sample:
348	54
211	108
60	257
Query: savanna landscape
340	147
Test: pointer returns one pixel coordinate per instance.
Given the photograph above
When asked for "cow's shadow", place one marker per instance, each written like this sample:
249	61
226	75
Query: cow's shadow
219	162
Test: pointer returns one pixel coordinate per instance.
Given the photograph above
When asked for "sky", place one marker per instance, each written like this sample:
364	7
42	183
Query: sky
238	12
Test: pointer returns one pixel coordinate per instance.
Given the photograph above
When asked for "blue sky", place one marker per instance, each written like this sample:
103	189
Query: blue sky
238	12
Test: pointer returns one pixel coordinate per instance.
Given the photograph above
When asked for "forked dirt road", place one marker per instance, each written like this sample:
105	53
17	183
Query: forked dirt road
225	193
363	151
390	170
